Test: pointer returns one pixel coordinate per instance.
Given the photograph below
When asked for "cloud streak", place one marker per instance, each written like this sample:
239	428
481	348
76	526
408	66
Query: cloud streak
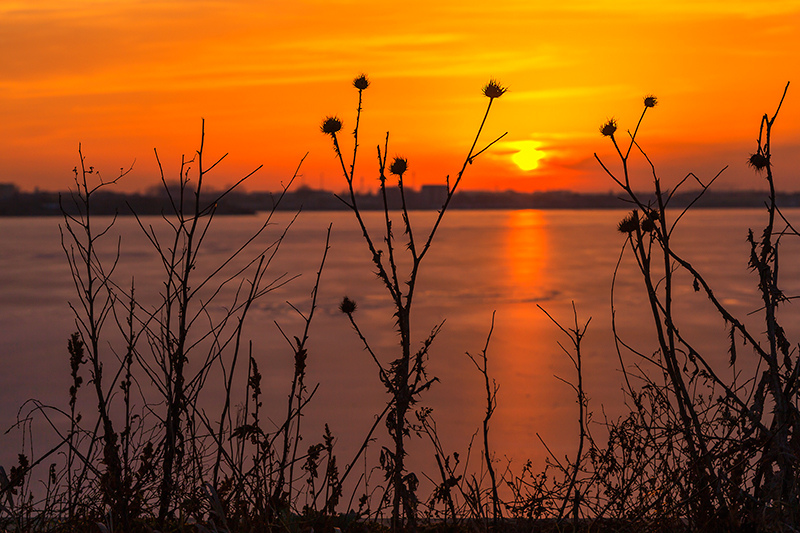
128	70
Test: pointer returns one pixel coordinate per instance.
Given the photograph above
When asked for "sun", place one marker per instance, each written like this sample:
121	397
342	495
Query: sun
528	154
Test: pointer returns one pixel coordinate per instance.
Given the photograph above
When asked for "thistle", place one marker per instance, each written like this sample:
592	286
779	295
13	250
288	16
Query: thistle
347	306
648	224
361	82
331	125
493	89
609	128
630	223
759	161
399	166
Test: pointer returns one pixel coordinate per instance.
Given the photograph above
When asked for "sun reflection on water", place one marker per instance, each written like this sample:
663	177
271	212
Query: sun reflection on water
517	360
526	248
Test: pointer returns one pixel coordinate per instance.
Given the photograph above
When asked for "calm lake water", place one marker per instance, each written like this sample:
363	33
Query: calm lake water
481	262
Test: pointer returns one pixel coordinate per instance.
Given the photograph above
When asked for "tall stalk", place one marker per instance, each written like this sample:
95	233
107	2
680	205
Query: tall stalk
405	378
92	283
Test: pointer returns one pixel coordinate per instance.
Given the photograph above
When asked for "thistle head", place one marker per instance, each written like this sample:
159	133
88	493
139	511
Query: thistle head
630	223
759	161
331	125
399	166
493	89
361	82
650	100
609	128
648	224
347	306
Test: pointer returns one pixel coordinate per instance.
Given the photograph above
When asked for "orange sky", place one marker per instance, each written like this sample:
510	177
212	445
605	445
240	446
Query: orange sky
125	76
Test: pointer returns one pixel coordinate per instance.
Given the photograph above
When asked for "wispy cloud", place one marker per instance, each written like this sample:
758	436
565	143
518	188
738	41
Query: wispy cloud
569	64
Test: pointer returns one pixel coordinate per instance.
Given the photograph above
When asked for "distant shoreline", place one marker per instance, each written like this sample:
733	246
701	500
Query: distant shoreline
14	203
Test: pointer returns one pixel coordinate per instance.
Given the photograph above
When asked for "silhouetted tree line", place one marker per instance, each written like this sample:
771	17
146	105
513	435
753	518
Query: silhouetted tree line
14	202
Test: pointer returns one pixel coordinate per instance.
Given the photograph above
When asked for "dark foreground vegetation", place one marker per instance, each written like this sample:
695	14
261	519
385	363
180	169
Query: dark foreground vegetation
702	448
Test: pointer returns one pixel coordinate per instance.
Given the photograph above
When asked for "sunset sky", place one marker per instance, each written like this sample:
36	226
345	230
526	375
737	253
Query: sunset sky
123	77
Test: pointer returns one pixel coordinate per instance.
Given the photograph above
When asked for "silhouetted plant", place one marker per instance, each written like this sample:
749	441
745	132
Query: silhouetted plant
718	452
405	378
482	365
573	491
444	490
169	461
93	284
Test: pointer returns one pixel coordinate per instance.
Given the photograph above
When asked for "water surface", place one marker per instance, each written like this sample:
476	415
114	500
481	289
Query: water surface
481	262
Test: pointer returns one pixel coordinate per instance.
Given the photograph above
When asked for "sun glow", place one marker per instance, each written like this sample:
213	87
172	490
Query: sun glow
528	154
128	76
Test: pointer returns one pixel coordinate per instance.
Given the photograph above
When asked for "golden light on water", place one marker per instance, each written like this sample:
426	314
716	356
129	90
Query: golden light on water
524	261
526	248
525	372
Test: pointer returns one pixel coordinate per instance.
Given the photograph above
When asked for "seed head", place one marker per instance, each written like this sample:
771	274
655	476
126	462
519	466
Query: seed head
361	82
493	89
630	223
650	100
347	306
648	224
399	166
758	161
609	128
331	125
